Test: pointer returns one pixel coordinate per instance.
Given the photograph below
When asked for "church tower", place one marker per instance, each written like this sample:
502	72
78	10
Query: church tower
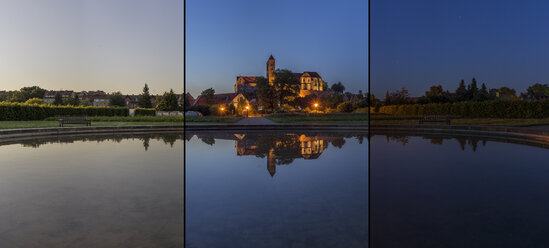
271	69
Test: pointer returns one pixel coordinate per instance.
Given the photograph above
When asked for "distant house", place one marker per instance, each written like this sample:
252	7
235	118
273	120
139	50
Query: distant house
132	101
188	100
49	96
101	101
221	100
91	96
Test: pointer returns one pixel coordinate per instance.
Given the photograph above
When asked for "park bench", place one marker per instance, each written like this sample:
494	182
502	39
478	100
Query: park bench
435	118
74	120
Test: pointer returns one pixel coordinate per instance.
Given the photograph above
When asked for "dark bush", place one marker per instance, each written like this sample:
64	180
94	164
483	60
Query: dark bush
25	112
486	109
145	112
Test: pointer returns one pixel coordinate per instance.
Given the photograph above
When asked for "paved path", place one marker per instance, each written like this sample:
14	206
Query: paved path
255	121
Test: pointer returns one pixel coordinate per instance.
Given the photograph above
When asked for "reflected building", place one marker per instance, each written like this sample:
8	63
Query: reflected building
282	150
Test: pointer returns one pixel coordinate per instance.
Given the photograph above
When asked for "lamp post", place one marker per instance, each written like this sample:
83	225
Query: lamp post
315	107
222	109
247	110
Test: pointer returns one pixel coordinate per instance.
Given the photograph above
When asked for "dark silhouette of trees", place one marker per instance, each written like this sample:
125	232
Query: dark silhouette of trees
144	100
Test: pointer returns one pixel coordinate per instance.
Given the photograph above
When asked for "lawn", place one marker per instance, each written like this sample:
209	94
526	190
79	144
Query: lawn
210	119
99	121
332	118
392	119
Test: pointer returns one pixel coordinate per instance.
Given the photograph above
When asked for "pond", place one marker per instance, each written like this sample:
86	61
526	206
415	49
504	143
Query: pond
276	189
93	191
441	191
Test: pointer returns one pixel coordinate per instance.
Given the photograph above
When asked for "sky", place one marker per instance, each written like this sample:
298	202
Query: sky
110	45
226	39
417	44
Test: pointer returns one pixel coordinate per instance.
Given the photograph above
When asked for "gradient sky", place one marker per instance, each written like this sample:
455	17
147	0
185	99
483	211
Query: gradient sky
421	43
225	39
111	45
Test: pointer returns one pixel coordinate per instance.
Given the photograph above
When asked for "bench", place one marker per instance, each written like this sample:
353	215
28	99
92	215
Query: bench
435	118
74	120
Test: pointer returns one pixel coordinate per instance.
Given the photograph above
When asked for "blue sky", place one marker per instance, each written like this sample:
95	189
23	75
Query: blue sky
225	39
112	45
417	44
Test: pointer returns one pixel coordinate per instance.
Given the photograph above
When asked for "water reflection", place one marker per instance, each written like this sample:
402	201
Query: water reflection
318	201
92	191
464	142
444	191
167	138
280	148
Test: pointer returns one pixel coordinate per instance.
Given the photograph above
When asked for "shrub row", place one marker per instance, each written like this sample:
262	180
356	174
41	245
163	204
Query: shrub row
25	112
487	109
145	112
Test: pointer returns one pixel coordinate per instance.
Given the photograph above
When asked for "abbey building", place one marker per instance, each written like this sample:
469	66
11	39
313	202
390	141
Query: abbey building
311	82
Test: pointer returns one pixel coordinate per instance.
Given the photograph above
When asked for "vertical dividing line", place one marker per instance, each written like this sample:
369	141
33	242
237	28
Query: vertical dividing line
184	122
369	129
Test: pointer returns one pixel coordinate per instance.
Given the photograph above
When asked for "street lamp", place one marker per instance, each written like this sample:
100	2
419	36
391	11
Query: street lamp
247	110
222	109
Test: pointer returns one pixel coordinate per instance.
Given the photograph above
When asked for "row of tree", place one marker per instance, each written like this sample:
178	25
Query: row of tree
35	95
466	93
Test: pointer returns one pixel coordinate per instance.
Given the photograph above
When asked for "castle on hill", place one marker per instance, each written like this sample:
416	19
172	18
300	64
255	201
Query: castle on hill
311	82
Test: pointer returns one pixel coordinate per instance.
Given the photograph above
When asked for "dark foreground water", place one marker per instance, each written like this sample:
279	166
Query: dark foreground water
276	190
458	192
101	191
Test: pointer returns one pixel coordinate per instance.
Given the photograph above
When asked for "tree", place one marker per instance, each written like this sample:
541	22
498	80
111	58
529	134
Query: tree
399	97
241	105
287	87
144	100
506	94
74	101
117	99
482	94
324	85
338	87
58	99
27	93
387	99
266	94
537	91
35	101
208	95
472	90
461	92
168	102
437	95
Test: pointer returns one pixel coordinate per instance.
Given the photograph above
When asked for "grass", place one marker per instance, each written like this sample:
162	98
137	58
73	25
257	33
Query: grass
392	119
41	124
211	119
151	119
333	118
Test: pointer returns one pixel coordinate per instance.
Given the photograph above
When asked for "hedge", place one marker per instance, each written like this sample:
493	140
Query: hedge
25	112
487	109
145	112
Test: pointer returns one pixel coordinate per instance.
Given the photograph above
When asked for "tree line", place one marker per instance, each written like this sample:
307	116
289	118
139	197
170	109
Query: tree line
35	95
466	93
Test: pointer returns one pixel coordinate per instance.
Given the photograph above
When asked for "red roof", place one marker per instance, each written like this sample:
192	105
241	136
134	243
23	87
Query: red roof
247	79
312	73
219	99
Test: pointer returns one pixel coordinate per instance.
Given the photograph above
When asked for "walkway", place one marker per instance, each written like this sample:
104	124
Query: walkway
255	121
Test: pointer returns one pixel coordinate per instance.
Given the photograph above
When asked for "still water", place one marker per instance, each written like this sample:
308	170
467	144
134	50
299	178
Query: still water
276	190
457	192
100	191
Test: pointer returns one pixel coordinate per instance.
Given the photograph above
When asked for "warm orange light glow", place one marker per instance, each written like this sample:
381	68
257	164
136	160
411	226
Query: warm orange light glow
247	107
222	109
316	105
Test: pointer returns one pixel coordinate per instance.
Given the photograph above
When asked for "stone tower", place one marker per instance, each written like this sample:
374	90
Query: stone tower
271	69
